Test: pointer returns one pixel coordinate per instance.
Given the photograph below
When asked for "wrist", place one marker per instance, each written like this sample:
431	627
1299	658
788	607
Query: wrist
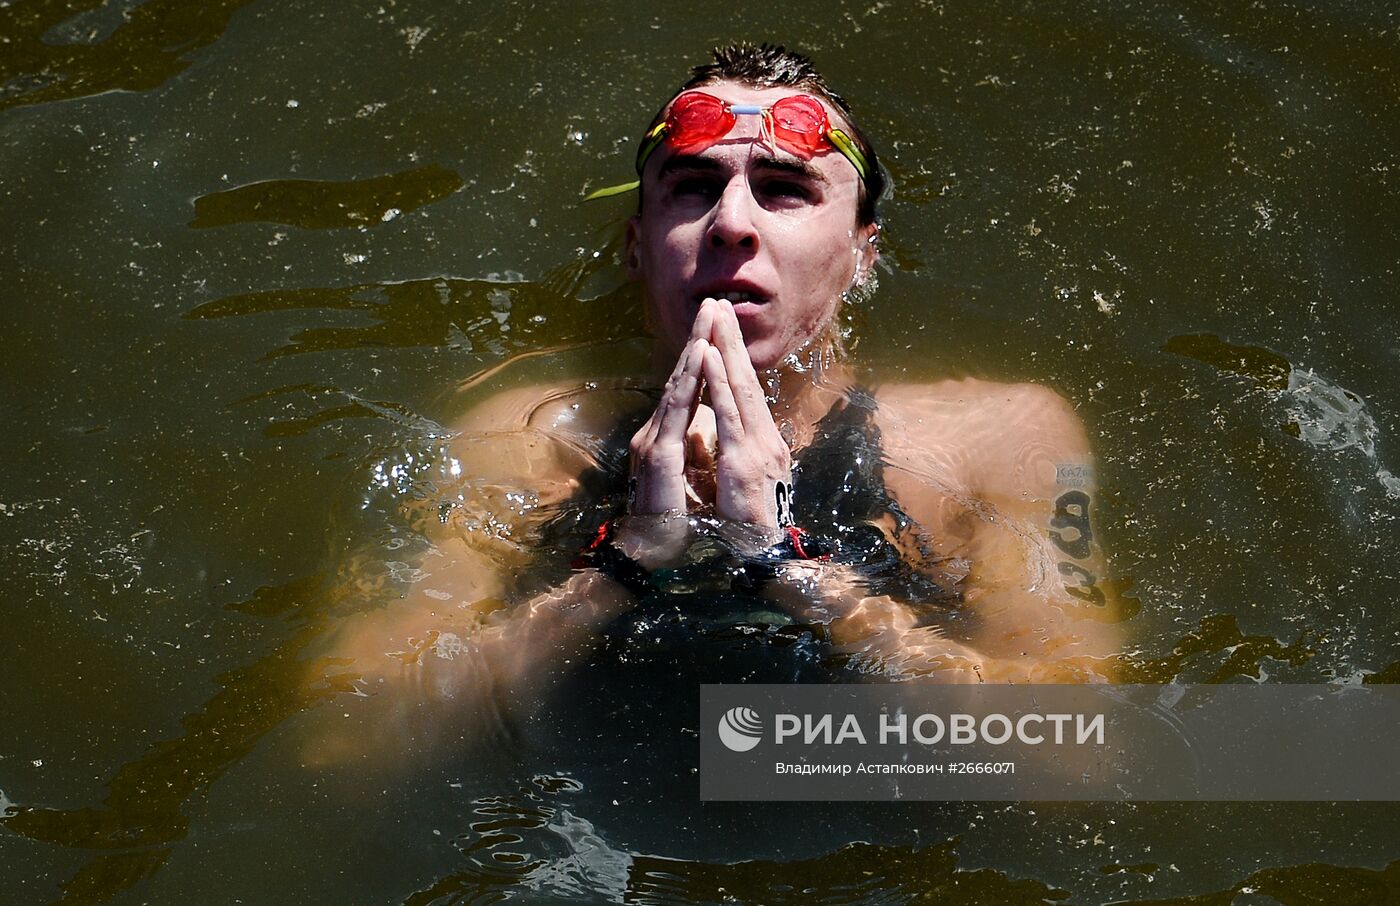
791	547
814	591
653	540
766	503
645	554
746	539
632	550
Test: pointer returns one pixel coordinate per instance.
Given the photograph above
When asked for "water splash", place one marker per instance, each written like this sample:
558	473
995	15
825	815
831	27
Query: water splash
1322	414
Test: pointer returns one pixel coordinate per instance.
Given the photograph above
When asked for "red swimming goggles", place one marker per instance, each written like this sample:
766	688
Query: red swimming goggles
798	124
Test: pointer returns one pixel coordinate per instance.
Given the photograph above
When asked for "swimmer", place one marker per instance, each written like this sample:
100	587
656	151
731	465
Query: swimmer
756	219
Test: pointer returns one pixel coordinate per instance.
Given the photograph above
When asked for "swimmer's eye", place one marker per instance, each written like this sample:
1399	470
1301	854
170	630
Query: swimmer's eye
696	187
786	189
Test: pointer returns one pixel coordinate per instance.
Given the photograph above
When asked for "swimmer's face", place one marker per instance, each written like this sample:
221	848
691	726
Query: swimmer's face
742	219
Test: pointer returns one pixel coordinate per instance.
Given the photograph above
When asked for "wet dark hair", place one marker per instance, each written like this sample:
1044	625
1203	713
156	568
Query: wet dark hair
774	66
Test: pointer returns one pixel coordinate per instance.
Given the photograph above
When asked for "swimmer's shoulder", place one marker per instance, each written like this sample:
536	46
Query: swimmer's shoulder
989	436
538	441
970	395
975	411
585	408
583	391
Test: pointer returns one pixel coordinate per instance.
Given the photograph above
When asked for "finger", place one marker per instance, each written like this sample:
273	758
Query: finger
675	389
683	397
729	425
701	447
743	380
657	453
704	320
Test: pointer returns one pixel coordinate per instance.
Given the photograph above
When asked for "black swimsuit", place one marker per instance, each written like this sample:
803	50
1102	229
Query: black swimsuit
839	495
839	491
699	624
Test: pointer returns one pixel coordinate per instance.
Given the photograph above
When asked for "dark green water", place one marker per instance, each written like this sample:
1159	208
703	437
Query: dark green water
248	248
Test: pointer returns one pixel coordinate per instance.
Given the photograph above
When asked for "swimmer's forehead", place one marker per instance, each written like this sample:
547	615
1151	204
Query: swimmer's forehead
700	163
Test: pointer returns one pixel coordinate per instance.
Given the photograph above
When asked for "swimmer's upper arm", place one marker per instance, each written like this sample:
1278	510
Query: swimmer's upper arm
503	469
1019	456
1043	568
1041	448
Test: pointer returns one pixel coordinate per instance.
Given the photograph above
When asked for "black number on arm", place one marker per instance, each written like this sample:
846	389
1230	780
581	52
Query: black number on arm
1086	590
1072	512
783	500
1074	538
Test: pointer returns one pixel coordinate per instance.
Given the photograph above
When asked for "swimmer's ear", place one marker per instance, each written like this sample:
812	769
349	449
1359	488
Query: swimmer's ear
630	256
867	252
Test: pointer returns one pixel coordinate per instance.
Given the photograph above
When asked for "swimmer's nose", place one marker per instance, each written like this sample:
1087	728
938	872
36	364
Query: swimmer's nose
732	224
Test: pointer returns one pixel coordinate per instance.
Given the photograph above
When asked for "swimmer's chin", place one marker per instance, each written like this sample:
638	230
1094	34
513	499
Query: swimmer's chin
766	353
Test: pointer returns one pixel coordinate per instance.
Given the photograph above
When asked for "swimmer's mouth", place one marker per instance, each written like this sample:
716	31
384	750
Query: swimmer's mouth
734	296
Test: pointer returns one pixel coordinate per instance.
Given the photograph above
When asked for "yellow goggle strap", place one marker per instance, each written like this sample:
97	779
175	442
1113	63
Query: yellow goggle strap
842	142
650	142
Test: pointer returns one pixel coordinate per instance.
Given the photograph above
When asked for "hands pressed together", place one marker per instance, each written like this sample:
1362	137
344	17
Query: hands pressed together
729	454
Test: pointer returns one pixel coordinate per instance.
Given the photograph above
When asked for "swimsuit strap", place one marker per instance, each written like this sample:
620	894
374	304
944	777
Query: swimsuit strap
839	478
839	491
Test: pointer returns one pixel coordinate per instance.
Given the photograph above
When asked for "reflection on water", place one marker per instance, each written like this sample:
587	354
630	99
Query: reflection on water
60	49
492	316
1268	369
564	858
322	205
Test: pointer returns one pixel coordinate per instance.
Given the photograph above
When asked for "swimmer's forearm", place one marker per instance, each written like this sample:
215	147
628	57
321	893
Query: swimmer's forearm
856	622
833	595
453	675
885	634
552	627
